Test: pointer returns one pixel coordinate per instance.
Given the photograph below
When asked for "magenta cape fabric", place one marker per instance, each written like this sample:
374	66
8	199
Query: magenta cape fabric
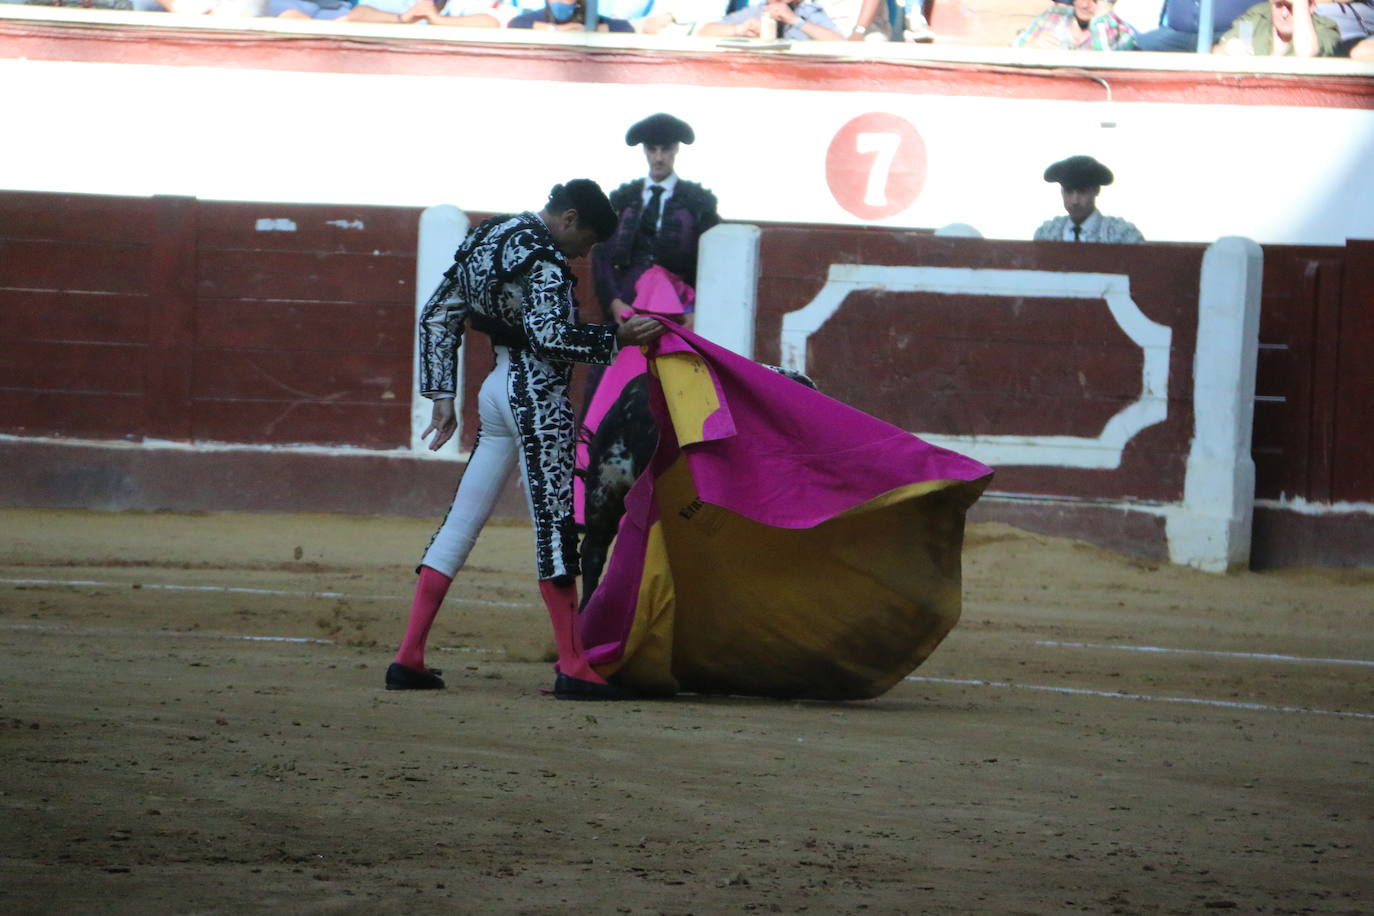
775	452
657	292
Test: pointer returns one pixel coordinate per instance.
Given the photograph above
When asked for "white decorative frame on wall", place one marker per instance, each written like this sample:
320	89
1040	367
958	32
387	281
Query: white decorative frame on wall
1103	451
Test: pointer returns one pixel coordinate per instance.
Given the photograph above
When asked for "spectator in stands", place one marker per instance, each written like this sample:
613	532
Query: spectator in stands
915	26
860	20
562	16
246	8
1356	22
1179	32
472	14
652	17
796	20
1084	25
1080	179
308	9
1280	28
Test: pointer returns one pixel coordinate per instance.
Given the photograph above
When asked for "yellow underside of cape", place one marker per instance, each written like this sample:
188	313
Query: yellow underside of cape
843	610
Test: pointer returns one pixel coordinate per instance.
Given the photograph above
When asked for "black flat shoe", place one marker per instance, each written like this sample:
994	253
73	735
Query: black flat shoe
399	677
566	687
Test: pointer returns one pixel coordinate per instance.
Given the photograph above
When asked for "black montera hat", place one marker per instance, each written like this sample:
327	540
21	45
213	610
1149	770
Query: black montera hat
1079	172
660	130
586	197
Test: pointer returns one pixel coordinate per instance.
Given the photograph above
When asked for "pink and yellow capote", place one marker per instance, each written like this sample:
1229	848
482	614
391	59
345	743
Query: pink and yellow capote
780	544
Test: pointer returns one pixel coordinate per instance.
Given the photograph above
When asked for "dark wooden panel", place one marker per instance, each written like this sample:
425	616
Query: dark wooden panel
302	422
1353	410
1300	333
1147	474
302	376
72	368
954	411
98	267
1274	371
1286	274
316	276
172	319
91	415
1154	269
90	317
76	217
1324	279
1269	471
317	227
1269	431
898	370
318	326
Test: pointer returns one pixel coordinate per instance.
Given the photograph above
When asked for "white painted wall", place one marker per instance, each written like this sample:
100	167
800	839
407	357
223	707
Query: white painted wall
1184	172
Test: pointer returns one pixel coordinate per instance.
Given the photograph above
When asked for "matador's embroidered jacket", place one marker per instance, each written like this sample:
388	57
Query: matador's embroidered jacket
510	279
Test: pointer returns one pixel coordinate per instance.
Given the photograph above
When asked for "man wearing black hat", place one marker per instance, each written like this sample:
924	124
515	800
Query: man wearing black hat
510	279
661	218
1080	179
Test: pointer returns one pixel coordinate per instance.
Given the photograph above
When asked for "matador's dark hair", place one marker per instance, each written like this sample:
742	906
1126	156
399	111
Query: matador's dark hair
586	197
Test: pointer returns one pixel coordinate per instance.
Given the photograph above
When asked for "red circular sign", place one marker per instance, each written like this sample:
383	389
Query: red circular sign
876	165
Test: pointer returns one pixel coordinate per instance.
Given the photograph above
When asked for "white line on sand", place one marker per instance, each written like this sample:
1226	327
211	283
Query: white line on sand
1079	691
117	631
246	591
196	634
1261	656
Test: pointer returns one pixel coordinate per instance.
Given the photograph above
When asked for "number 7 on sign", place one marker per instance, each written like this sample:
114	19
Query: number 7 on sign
885	147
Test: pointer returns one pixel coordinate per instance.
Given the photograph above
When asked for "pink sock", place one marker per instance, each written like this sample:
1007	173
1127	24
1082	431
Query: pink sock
429	594
562	605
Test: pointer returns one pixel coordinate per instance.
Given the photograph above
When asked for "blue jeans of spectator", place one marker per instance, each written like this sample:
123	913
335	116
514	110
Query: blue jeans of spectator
328	9
1167	39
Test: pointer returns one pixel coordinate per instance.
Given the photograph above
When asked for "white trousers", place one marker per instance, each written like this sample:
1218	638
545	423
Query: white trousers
490	466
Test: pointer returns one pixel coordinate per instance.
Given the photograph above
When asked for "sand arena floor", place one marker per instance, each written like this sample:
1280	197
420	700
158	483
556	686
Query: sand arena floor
156	759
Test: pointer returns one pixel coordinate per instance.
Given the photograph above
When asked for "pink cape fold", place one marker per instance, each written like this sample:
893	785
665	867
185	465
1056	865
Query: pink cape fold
657	292
775	452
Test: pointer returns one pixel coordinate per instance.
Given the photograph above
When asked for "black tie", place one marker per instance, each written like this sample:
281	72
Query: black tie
1077	233
648	220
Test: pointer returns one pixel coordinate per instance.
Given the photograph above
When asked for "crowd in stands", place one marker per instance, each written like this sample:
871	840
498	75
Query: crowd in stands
1294	28
1270	28
791	20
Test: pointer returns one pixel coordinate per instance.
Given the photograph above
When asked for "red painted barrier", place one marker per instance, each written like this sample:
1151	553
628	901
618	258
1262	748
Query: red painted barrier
271	325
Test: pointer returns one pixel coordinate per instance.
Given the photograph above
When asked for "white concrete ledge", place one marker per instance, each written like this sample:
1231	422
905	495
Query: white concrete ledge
442	229
1211	529
727	286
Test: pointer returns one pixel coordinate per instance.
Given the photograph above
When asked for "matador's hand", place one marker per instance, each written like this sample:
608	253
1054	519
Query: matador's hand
638	331
443	422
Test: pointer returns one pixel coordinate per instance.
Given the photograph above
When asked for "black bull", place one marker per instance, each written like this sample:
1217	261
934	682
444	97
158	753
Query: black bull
617	454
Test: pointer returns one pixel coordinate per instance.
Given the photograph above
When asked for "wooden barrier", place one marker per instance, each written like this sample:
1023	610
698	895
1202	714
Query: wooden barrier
149	341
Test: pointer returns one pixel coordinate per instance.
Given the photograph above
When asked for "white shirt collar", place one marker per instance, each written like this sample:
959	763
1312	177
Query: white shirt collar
668	184
1086	228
